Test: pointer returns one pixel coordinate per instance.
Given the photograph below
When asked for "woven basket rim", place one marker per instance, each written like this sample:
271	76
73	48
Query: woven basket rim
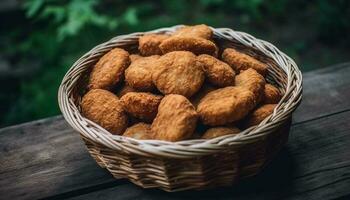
188	148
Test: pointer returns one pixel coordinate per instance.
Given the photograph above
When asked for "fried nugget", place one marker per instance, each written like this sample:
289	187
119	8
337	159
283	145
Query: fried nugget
139	74
134	57
178	72
149	44
124	89
259	115
240	61
201	31
109	70
205	89
141	105
141	131
253	81
176	119
105	109
220	131
217	72
225	105
195	45
271	94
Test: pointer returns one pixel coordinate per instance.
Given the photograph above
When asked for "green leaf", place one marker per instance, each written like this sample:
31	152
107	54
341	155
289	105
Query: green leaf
32	7
57	12
130	16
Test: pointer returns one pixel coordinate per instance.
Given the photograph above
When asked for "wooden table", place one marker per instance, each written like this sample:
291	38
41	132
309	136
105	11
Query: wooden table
47	159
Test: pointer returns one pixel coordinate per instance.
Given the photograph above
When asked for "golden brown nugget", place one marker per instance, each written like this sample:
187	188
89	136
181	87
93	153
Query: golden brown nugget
149	44
139	74
220	131
259	114
141	105
195	45
178	72
109	70
140	131
134	57
217	72
205	89
225	105
125	88
202	31
253	81
240	61
271	94
176	119
105	109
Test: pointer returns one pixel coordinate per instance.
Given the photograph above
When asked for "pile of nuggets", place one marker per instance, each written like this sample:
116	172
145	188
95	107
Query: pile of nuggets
176	88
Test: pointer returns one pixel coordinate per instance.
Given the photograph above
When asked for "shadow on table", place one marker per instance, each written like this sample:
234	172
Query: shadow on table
273	182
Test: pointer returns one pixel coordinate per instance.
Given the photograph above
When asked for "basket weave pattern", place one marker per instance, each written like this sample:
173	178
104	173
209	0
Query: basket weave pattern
190	164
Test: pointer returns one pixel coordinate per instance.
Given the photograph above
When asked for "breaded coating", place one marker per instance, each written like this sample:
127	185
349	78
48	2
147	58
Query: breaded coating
271	94
205	89
125	88
176	119
195	45
139	74
240	61
217	72
225	105
178	72
134	57
259	115
105	109
141	105
149	44
253	81
140	131
109	70
220	131
202	31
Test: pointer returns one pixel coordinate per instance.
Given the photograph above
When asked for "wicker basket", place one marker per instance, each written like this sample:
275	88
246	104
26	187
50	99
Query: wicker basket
191	164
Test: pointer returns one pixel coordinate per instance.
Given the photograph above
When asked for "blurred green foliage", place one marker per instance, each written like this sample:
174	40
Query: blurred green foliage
56	32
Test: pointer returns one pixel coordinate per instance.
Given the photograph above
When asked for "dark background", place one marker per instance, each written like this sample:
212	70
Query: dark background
40	39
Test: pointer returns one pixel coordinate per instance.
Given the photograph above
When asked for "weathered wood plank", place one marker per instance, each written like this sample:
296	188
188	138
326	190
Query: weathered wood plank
326	91
314	165
47	158
43	158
